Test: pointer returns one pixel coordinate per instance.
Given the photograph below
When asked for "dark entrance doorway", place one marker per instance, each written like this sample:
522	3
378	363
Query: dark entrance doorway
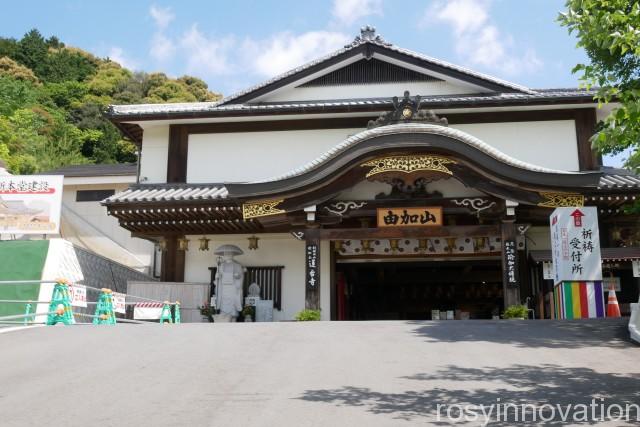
415	290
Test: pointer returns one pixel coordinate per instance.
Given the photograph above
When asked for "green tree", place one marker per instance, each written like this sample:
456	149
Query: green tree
609	31
199	89
170	91
15	94
64	65
107	82
10	68
108	146
52	99
40	140
67	94
32	50
8	47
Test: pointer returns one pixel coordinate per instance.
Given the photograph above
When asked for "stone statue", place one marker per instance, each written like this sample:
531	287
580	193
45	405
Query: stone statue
254	290
229	279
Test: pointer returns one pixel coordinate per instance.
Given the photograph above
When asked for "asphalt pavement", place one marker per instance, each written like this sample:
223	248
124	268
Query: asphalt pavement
312	373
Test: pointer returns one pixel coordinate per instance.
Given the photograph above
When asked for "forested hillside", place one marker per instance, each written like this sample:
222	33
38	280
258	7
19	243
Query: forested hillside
52	97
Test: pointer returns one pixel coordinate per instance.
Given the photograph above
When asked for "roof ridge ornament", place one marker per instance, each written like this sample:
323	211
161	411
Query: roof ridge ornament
368	34
405	111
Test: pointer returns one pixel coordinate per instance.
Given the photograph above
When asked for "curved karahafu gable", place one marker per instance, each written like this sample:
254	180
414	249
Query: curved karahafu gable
429	148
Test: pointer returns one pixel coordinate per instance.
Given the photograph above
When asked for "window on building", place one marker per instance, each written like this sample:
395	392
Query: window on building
93	195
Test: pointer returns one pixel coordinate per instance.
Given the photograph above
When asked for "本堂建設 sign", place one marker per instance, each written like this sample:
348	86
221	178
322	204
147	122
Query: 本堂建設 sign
30	204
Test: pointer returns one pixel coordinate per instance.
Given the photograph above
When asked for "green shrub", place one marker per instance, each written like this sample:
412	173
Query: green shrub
516	312
308	315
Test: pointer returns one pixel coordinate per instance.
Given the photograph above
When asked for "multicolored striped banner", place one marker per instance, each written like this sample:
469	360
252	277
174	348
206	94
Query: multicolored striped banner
578	300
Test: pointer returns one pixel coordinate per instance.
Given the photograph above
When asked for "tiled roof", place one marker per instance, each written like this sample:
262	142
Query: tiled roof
118	169
621	181
607	254
169	192
435	101
368	37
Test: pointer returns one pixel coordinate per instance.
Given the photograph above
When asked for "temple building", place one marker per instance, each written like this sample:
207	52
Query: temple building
377	183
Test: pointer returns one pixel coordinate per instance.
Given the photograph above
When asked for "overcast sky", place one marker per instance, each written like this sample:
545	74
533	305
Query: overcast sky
234	44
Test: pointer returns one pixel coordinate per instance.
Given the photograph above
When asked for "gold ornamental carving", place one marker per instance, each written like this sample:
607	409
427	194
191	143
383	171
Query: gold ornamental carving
558	200
261	208
408	164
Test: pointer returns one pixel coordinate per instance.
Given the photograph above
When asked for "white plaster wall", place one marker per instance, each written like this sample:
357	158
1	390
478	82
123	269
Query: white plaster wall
274	249
367	91
248	156
546	143
153	161
96	215
539	238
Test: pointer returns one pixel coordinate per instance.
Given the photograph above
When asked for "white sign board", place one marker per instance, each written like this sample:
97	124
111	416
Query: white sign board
547	270
30	204
575	244
636	267
78	294
608	282
118	301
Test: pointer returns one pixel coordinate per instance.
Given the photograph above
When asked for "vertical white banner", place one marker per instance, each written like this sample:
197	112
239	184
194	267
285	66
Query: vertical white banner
575	244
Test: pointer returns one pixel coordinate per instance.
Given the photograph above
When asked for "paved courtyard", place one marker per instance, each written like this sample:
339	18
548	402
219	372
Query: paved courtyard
308	374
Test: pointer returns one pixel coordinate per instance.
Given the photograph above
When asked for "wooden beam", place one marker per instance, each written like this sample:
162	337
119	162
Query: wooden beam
361	122
404	232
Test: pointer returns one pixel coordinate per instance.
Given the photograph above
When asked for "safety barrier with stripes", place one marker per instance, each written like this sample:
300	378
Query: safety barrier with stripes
60	308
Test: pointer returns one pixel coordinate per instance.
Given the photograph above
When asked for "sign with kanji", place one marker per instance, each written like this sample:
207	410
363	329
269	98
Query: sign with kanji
409	217
510	253
312	274
312	265
30	204
78	294
575	244
547	270
118	301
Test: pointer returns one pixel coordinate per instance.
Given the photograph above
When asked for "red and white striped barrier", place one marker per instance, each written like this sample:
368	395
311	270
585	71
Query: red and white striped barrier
147	310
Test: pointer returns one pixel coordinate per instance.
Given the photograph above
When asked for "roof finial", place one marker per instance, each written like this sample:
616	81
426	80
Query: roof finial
368	32
407	110
368	35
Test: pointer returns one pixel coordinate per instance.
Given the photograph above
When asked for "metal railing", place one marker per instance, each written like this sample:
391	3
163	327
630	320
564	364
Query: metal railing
31	306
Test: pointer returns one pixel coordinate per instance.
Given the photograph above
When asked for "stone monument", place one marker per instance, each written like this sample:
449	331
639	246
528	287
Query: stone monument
228	281
253	295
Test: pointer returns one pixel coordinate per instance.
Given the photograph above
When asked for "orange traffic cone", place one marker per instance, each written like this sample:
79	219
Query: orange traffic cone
613	309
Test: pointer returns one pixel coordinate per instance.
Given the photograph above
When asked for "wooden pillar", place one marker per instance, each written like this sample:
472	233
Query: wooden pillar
172	261
585	124
510	274
178	150
312	271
